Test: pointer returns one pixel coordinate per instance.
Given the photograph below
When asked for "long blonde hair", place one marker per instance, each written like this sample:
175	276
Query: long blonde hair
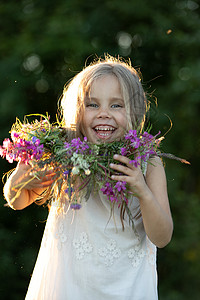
72	101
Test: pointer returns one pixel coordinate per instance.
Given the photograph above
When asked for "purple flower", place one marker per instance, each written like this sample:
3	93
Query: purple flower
67	191
34	139
27	150
75	206
120	186
67	145
133	138
147	136
135	162
123	151
76	143
131	134
113	199
107	189
77	146
65	173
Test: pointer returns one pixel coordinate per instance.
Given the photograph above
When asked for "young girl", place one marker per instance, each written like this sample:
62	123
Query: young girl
85	254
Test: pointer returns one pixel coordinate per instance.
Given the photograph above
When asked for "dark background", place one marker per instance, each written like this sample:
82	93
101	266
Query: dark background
45	43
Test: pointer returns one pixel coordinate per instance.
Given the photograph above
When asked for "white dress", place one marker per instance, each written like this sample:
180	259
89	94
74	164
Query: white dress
85	255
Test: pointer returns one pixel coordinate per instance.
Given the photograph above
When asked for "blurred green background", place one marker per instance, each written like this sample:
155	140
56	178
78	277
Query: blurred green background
45	43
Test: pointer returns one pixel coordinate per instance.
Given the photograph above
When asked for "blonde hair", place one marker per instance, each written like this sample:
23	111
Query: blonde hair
72	101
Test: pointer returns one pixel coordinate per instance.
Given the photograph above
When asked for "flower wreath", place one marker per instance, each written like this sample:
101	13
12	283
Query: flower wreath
44	146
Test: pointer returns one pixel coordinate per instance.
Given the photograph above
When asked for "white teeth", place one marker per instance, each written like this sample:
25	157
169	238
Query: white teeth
104	134
104	128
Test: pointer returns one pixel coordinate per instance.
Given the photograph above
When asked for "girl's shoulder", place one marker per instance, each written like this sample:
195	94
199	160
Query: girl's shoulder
155	162
155	169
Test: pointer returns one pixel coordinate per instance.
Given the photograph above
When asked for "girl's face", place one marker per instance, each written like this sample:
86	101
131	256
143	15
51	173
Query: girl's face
104	118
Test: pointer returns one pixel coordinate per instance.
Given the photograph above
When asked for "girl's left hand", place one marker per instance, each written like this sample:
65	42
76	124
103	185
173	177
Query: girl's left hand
132	175
152	194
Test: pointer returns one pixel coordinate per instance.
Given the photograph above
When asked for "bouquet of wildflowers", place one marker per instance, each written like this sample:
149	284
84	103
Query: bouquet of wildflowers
78	165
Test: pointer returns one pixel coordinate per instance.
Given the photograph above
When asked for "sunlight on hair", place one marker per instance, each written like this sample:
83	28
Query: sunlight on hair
69	113
69	103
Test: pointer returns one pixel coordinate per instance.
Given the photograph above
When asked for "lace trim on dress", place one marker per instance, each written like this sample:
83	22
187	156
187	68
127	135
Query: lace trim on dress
137	253
58	232
82	246
109	253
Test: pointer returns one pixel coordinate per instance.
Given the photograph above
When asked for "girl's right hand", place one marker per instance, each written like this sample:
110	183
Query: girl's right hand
25	176
23	188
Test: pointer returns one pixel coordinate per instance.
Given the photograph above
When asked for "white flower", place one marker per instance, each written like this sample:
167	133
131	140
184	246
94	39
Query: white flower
75	170
82	163
75	155
87	172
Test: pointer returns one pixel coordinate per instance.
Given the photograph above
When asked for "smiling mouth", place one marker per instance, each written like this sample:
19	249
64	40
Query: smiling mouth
104	132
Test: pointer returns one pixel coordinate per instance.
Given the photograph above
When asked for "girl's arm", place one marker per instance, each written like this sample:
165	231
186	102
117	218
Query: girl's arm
19	199
152	194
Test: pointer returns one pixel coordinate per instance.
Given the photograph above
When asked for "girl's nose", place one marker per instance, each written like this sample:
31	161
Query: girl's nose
103	113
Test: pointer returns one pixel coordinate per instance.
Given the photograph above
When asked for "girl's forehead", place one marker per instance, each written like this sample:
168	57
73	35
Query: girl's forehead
105	88
104	79
102	82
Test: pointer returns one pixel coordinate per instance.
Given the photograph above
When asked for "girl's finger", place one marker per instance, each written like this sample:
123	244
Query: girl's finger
121	158
120	178
128	162
42	175
50	173
38	185
47	183
121	169
125	160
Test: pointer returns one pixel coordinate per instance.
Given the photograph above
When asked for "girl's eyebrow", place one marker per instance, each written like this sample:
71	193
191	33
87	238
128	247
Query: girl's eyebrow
113	98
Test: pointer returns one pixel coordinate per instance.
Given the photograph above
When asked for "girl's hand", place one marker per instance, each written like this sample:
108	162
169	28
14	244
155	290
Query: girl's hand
132	175
27	177
23	188
152	194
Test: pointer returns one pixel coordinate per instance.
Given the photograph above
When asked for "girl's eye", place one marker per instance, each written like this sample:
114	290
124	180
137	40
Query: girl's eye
116	106
92	105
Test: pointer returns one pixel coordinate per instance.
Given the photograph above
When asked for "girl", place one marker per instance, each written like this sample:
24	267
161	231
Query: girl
86	254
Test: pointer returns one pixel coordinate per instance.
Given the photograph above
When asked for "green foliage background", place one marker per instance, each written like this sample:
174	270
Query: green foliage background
45	43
